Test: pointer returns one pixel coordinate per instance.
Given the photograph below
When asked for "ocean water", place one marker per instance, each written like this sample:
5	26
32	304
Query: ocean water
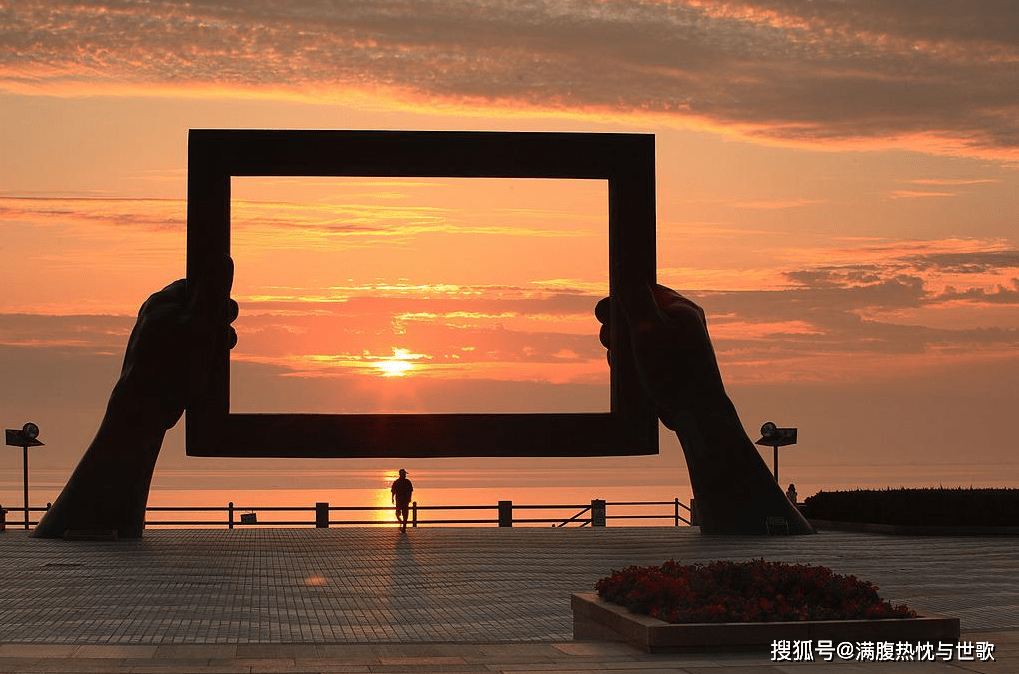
568	484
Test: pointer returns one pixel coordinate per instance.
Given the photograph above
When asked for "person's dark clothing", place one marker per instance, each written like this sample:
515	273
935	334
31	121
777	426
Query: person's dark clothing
402	489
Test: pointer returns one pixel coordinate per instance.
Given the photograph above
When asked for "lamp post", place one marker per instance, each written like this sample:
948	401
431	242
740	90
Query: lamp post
775	437
24	438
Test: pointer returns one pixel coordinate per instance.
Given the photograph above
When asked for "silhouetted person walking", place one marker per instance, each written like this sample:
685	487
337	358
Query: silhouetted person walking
400	494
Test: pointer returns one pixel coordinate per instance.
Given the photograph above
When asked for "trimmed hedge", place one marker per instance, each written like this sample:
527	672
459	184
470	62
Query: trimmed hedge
918	507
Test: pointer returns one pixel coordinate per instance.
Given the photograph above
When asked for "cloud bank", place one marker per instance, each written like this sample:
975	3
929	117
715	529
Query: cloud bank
934	76
908	308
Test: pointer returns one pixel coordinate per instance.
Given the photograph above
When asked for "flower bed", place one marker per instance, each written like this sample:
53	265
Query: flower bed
730	605
755	591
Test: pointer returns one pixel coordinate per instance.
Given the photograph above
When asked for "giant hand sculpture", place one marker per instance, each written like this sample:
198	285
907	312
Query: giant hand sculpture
734	490
165	365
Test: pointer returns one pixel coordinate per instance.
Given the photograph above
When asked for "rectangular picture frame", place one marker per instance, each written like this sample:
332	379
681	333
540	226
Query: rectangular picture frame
625	161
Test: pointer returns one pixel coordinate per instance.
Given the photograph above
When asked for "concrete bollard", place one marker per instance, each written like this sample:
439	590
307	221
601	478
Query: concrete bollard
321	515
505	513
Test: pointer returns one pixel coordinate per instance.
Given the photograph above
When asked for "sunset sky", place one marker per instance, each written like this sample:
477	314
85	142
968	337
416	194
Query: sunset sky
838	185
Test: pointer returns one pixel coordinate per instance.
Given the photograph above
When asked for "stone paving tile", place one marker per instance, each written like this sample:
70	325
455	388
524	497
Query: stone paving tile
439	584
879	668
331	665
196	651
593	649
582	669
118	652
423	660
36	650
626	662
276	651
158	668
818	668
457	600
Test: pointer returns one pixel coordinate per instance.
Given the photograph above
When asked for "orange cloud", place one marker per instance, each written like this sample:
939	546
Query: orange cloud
954	181
934	78
329	225
159	214
775	204
918	194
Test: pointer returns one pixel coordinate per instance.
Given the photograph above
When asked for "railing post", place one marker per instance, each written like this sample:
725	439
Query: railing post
597	512
230	515
414	515
3	519
321	515
695	515
677	511
505	513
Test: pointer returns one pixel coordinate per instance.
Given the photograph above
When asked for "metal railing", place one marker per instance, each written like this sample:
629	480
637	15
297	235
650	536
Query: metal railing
6	512
581	522
506	514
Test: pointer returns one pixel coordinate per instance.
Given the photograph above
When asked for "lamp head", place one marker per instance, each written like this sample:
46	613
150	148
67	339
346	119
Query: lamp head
30	431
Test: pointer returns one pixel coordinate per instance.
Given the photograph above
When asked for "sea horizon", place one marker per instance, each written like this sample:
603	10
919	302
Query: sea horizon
250	489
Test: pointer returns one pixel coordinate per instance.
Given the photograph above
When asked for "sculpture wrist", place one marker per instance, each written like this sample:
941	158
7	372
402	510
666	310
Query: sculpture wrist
710	411
136	408
703	425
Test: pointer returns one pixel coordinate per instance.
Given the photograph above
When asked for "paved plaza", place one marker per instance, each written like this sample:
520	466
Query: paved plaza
433	599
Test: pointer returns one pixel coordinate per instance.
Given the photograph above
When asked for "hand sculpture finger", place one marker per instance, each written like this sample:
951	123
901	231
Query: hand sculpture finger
603	310
204	301
233	311
205	310
678	307
671	346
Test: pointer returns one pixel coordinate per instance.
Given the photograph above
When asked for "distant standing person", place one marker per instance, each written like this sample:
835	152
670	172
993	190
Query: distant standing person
791	492
401	491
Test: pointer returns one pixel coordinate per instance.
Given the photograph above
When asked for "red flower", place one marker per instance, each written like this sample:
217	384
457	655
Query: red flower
749	591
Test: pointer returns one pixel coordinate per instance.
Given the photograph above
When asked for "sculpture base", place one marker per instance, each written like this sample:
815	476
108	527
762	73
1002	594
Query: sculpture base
597	620
90	535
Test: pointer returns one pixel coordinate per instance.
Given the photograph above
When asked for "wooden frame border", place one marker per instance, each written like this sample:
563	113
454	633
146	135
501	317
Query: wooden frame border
626	161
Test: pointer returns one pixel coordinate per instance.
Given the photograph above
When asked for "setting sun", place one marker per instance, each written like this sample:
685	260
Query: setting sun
399	365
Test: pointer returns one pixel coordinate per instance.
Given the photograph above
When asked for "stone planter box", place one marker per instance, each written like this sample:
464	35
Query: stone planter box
597	620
